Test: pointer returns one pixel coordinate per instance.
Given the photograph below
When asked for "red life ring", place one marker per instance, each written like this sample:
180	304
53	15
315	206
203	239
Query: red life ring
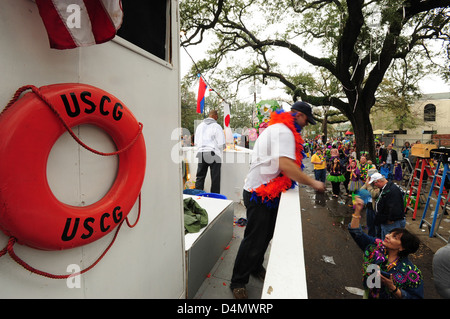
29	211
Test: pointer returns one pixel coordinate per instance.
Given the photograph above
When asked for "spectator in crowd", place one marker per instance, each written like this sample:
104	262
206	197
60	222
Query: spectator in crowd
389	206
336	175
320	165
387	270
441	271
406	150
388	159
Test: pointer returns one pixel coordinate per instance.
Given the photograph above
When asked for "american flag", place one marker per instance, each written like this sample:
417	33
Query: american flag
76	23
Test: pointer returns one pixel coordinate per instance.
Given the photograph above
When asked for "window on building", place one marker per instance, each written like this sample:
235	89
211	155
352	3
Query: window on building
147	25
429	113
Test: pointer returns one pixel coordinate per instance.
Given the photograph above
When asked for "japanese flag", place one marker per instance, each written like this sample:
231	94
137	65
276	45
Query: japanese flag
226	123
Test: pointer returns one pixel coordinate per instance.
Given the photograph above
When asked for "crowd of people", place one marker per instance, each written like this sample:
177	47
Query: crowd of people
276	167
337	162
387	243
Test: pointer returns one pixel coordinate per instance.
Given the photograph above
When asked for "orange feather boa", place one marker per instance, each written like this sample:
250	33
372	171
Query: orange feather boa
272	190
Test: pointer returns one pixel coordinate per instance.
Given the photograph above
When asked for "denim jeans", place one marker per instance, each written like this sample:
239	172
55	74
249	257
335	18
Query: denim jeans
387	228
320	174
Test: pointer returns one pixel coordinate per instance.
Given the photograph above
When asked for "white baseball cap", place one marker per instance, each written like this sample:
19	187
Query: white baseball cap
375	177
371	171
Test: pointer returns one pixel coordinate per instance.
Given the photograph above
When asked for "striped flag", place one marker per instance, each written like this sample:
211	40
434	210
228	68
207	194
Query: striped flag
76	23
201	95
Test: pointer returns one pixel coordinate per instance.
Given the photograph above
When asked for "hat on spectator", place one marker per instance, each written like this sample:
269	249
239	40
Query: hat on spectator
372	171
305	108
375	177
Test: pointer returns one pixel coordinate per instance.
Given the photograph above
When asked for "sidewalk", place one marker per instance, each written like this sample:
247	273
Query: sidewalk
217	285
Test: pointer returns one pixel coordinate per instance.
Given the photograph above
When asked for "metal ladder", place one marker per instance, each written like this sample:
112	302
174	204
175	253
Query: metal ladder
437	186
422	166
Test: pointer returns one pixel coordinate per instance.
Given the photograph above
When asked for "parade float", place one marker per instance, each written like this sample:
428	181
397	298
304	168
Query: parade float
116	214
93	169
263	110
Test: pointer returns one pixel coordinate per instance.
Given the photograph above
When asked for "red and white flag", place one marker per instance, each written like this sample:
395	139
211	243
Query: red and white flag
201	95
226	123
76	23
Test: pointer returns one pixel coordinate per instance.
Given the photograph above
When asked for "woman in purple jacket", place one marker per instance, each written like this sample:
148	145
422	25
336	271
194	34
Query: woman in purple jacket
388	273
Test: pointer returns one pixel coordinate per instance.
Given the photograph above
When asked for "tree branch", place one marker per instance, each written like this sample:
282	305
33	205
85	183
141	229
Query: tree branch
201	28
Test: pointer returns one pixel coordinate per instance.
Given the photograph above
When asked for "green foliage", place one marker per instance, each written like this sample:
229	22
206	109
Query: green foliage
359	42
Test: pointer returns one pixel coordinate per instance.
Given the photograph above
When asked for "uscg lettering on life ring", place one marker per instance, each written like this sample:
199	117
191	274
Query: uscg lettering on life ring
88	106
29	128
71	231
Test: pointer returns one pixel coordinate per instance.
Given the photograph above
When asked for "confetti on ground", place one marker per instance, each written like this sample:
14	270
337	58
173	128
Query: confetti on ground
328	259
355	291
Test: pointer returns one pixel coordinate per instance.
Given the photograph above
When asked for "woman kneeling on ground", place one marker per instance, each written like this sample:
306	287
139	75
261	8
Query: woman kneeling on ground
388	272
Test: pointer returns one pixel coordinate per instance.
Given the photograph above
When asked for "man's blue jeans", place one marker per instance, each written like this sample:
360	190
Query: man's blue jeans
320	174
387	228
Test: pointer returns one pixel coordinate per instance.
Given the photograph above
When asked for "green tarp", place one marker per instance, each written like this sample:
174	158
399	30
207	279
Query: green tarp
195	217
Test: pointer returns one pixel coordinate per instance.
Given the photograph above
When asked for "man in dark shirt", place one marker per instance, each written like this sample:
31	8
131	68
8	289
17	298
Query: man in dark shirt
388	158
389	207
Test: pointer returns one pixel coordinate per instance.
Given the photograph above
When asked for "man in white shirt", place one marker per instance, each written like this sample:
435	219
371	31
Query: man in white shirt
210	141
275	157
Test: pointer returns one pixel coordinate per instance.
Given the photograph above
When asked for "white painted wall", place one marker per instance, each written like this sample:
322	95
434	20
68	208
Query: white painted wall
148	260
382	120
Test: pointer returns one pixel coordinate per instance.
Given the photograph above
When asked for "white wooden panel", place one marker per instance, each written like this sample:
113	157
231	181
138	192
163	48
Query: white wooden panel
286	275
148	260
